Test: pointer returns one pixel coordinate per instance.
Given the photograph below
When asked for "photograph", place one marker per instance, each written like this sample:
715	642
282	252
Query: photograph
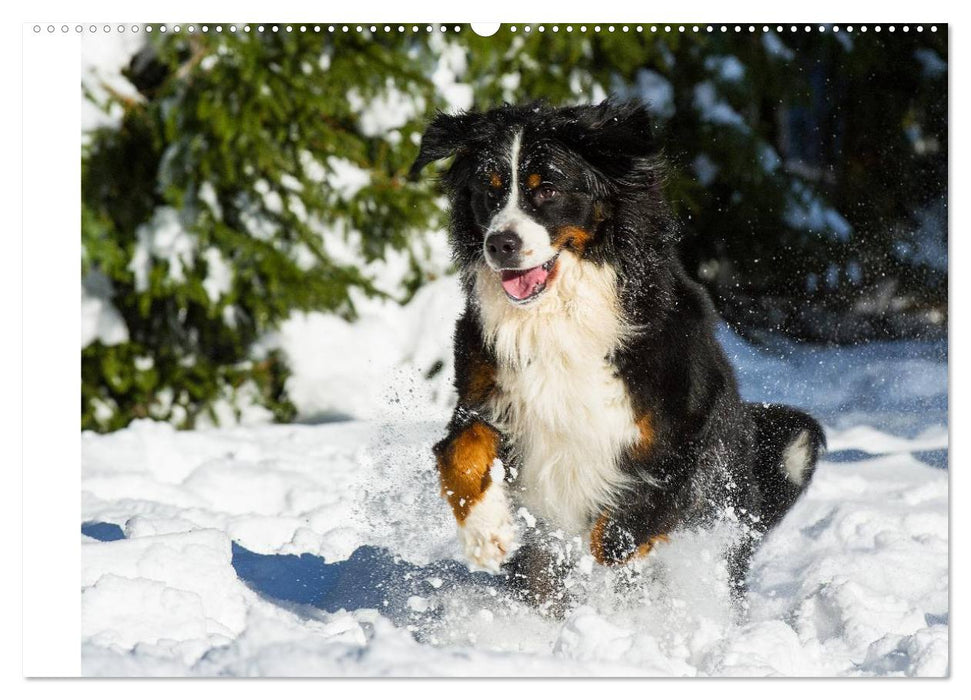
514	350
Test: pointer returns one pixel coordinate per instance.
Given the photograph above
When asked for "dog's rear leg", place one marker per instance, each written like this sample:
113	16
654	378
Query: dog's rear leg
789	443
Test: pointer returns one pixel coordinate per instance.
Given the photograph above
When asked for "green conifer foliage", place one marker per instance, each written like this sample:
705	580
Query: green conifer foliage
260	172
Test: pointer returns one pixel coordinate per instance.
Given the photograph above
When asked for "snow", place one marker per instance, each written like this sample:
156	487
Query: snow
768	158
219	275
510	84
385	112
163	587
100	320
774	47
705	169
843	39
806	211
272	201
103	57
925	242
712	108
931	62
345	178
312	168
452	65
657	91
207	195
324	548
366	369
163	238
254	221
726	68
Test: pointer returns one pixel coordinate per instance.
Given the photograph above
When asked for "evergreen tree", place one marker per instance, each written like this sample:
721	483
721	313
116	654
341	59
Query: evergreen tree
259	172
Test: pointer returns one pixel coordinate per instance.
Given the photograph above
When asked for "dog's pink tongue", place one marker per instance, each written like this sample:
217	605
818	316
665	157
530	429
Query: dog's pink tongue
520	284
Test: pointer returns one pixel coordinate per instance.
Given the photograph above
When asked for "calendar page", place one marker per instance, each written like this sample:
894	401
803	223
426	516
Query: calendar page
489	350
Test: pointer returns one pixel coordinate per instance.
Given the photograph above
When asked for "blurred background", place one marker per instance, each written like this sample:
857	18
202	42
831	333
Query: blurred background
252	250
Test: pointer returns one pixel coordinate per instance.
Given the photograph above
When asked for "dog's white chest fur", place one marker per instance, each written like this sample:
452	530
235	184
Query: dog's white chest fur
558	399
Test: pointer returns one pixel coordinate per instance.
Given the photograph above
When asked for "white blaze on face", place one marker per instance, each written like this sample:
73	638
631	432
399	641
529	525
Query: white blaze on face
536	248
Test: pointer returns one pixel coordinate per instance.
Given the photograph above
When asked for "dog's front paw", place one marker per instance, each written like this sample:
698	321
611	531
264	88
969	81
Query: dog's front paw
487	534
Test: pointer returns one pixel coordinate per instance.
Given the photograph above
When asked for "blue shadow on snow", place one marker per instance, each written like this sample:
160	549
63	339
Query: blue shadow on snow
932	458
372	577
103	532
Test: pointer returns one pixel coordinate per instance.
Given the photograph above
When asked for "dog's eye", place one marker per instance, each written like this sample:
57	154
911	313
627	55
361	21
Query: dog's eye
544	193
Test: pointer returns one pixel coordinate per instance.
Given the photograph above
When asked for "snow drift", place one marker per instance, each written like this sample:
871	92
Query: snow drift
323	548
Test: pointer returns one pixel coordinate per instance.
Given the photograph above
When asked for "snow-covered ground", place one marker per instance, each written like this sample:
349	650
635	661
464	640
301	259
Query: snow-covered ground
323	548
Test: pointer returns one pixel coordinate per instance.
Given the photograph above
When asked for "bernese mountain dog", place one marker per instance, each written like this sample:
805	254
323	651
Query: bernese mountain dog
594	400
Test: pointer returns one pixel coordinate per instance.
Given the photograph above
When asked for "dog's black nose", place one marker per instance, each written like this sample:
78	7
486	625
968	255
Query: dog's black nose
503	248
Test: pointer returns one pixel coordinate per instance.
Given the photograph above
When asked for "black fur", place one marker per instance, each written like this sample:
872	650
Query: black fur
711	451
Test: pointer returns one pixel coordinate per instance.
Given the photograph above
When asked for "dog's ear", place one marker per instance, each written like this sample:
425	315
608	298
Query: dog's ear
446	135
616	138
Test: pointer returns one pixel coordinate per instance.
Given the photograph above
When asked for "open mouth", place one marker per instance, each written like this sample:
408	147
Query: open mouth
525	285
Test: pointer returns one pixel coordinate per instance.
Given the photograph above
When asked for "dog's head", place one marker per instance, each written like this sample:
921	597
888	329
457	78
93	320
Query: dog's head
532	183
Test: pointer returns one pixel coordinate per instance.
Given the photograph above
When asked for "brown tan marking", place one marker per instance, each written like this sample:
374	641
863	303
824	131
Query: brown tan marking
534	181
596	539
642	448
646	548
463	467
572	237
495	180
597	547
